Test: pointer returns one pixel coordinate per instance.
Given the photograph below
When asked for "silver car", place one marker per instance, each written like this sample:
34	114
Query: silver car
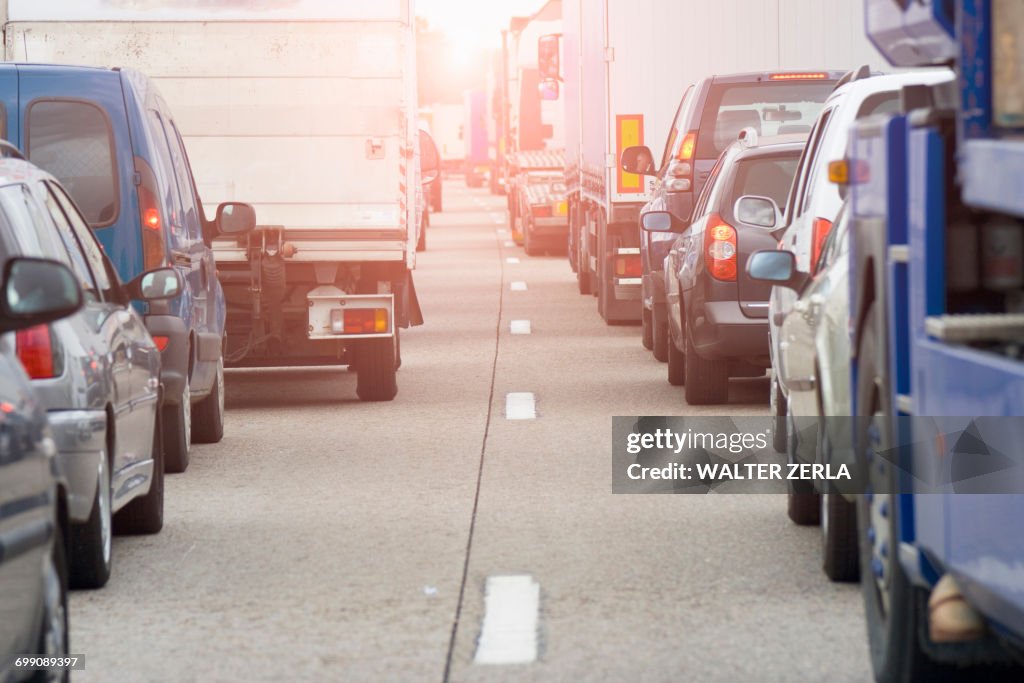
97	372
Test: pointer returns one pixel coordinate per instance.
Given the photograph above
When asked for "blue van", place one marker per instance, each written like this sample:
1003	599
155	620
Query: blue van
111	140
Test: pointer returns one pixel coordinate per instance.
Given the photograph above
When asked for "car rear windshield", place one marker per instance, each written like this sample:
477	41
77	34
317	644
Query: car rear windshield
766	177
72	140
771	108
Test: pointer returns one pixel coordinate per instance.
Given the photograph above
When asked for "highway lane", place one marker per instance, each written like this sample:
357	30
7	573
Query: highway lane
325	539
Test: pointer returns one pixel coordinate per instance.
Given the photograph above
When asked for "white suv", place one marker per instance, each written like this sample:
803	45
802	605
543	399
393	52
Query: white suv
814	202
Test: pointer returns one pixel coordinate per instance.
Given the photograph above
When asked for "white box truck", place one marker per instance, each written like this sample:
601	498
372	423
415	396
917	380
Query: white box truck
308	111
624	66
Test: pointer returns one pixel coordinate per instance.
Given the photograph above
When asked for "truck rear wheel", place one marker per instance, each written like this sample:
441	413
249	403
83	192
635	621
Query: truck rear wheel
377	369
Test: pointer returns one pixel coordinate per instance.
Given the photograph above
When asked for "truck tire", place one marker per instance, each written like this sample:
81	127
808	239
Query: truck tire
421	243
177	433
145	515
208	414
90	561
662	343
376	370
646	329
707	381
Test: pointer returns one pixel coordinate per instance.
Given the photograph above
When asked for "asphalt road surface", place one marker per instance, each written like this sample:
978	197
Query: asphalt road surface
329	540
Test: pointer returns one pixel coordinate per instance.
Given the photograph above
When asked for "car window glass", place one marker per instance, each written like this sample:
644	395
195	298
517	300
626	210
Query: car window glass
49	237
675	133
765	177
182	177
165	167
98	262
189	197
769	107
810	161
816	172
705	194
73	141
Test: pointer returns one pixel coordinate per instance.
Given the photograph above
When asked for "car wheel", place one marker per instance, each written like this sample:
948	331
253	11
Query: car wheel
840	559
707	381
646	329
778	405
803	503
661	340
53	632
177	433
145	515
676	365
376	370
208	417
90	559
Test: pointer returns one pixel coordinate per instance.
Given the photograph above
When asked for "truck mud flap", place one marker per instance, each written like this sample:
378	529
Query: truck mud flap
409	313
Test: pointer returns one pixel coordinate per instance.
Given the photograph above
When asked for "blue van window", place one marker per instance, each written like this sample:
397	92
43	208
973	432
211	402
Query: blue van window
166	167
72	139
190	218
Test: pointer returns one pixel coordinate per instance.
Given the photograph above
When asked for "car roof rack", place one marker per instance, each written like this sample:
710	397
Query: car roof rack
8	149
854	75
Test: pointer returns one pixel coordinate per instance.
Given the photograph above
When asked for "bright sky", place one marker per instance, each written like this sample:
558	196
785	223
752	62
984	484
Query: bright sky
474	23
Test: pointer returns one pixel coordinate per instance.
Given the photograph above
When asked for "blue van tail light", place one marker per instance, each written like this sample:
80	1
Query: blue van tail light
149	215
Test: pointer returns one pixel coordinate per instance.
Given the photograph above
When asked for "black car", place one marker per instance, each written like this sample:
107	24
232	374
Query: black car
717	315
710	115
33	496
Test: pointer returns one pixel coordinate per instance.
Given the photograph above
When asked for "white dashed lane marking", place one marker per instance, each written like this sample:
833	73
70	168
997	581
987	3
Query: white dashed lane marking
521	327
512	259
509	631
510	244
520	405
518	286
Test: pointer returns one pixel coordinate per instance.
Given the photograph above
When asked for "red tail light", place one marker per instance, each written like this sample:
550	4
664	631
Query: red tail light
720	249
628	266
541	211
365	320
35	351
161	342
149	214
819	233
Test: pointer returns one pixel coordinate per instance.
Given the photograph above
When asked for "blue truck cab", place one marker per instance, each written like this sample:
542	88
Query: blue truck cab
936	324
111	140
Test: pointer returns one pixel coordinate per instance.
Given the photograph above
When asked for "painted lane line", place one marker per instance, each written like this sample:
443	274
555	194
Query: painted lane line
509	631
517	286
512	259
521	327
520	405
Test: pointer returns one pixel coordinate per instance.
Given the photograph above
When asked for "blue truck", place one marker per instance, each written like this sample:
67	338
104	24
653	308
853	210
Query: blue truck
937	325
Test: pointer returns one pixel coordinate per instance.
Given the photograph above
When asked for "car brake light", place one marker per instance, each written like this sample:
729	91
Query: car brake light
628	266
541	211
161	342
720	249
687	147
35	351
819	233
365	320
815	76
149	214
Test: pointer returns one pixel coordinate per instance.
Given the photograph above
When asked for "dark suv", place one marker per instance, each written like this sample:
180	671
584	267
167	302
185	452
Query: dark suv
710	115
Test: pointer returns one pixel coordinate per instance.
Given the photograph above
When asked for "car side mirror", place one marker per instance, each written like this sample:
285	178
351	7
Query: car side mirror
155	285
660	221
430	159
35	292
761	212
235	218
638	159
777	267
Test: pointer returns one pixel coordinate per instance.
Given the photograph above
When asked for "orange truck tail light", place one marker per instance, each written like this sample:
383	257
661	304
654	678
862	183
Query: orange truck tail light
541	211
819	233
365	320
35	351
149	214
720	249
628	266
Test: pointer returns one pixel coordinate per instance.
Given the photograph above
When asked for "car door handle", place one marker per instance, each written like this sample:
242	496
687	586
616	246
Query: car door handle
181	258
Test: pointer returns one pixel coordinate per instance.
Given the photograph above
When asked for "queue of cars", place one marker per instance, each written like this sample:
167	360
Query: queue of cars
112	322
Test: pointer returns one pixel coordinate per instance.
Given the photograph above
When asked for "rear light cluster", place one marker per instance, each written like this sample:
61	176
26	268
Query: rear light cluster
819	233
681	170
720	249
365	320
628	266
37	352
541	211
149	214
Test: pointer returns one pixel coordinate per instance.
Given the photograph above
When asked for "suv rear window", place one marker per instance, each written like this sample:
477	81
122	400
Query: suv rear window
770	107
73	141
766	177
